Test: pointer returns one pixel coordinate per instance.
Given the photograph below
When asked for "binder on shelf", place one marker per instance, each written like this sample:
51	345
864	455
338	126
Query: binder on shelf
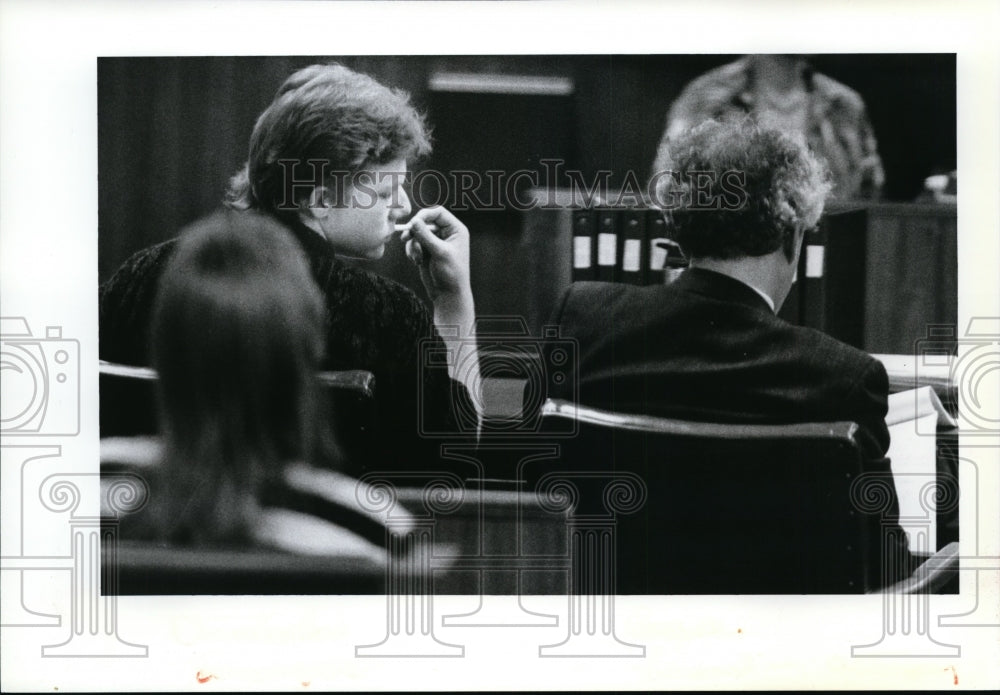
805	304
843	235
666	260
634	248
584	244
828	293
607	244
674	261
811	271
656	232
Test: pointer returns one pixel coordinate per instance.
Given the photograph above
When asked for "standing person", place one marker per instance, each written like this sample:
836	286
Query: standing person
783	92
327	159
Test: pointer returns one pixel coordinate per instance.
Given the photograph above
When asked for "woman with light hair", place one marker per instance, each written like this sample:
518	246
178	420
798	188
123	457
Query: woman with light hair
327	160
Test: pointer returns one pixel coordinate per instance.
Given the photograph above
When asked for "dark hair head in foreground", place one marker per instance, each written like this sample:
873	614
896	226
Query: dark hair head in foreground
237	336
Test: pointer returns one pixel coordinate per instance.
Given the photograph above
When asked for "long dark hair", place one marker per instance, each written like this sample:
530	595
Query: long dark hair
237	336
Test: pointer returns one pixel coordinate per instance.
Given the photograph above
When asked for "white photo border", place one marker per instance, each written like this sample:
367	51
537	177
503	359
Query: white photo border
48	274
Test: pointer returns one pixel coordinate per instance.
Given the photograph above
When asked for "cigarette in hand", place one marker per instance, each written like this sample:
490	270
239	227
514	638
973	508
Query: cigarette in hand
403	227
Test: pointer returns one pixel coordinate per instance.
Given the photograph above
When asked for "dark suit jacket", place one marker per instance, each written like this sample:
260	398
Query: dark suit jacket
708	348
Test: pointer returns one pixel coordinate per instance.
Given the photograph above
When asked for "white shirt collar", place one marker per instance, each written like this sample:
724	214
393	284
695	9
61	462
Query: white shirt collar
764	295
766	298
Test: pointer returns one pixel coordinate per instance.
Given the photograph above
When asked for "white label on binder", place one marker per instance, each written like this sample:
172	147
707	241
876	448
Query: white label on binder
607	249
814	261
581	252
657	255
630	256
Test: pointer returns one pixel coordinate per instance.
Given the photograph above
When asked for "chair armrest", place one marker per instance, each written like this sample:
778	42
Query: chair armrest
931	575
359	380
138	452
126	371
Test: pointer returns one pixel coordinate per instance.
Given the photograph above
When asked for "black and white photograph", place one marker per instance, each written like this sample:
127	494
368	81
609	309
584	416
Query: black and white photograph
336	364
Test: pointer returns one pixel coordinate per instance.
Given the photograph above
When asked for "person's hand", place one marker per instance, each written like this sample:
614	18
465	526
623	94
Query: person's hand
443	259
441	255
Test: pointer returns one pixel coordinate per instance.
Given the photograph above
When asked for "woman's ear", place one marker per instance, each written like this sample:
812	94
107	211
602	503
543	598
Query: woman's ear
317	205
314	210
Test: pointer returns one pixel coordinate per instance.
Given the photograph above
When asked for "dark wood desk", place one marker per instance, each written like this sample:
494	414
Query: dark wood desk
481	541
911	273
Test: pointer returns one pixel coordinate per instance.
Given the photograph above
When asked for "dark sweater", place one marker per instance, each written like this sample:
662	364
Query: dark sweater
373	323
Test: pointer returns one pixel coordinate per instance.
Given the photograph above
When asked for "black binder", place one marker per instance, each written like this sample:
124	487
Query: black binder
829	293
584	245
607	244
634	266
656	233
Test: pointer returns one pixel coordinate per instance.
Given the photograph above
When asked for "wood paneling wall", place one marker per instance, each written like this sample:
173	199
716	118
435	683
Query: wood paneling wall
171	131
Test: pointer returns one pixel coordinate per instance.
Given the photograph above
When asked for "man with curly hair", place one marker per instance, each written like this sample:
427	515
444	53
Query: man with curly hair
709	347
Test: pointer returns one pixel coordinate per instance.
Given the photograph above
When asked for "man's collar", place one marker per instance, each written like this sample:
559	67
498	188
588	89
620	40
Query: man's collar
718	285
763	294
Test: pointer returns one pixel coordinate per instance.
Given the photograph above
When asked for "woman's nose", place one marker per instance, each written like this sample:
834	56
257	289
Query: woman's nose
402	207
